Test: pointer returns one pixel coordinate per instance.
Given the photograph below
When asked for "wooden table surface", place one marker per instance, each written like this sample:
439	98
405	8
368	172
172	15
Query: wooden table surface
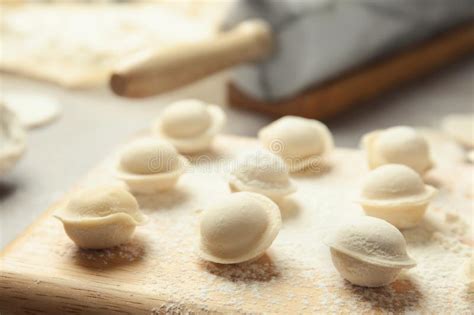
43	272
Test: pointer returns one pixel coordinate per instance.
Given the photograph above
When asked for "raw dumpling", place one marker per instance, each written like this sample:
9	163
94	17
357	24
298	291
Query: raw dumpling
301	142
190	125
238	228
369	252
262	172
12	139
150	165
101	217
397	145
397	194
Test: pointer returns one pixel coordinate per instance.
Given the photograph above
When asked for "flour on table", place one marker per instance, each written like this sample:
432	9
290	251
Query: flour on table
296	274
460	127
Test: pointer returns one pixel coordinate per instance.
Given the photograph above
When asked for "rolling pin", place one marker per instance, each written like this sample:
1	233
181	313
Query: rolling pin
283	48
156	71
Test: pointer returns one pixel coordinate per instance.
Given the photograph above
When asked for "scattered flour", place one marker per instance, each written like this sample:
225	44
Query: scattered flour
296	274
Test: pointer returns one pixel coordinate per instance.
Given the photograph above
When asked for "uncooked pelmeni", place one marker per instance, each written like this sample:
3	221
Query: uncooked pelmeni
299	141
397	145
369	252
33	110
149	165
101	217
397	194
12	139
190	125
460	127
238	228
262	172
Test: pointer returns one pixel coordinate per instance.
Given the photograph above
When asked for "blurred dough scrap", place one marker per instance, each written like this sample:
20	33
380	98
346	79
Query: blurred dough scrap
33	110
75	45
12	139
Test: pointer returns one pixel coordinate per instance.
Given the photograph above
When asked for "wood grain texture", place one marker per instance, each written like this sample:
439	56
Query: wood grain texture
158	272
329	99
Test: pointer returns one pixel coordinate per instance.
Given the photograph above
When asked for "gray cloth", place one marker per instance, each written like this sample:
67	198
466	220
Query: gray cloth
317	40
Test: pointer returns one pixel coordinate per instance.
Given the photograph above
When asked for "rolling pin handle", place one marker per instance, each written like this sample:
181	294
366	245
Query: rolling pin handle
157	71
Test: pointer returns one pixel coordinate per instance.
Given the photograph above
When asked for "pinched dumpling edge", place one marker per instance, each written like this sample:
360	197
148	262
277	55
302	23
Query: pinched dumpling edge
200	142
414	200
271	190
406	262
366	144
304	162
136	219
146	183
271	232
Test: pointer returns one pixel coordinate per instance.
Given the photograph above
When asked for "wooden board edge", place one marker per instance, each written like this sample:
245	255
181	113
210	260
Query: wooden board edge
50	295
24	234
361	85
48	292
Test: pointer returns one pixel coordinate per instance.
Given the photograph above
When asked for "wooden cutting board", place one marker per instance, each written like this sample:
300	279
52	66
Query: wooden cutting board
159	272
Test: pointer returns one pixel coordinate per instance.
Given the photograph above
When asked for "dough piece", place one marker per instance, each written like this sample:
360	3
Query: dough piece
460	127
262	172
150	165
12	139
95	35
299	141
397	194
238	228
190	125
101	217
397	145
369	252
33	110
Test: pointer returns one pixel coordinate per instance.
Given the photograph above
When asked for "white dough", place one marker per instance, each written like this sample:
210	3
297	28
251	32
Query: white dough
33	110
12	139
397	145
101	217
150	165
190	125
460	127
369	252
299	141
262	172
397	194
238	228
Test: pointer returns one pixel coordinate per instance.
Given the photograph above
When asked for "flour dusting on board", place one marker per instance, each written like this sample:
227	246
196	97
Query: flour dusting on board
296	274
